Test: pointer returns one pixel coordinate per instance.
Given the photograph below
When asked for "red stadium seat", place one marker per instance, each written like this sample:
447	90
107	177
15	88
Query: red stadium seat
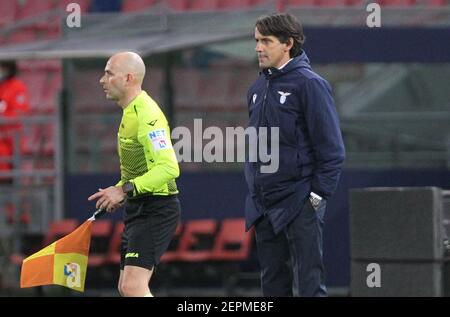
236	4
59	229
137	5
437	3
397	3
197	240
51	90
48	140
355	2
35	81
204	5
178	5
22	36
332	3
113	256
232	242
295	3
30	143
8	12
29	8
100	235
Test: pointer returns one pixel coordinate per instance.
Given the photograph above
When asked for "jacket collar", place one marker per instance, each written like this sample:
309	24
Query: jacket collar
300	61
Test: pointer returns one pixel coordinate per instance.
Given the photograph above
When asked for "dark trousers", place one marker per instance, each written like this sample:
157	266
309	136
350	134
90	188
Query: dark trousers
291	261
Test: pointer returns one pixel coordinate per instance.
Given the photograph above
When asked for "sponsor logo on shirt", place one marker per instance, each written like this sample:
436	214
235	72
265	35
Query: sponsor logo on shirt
159	140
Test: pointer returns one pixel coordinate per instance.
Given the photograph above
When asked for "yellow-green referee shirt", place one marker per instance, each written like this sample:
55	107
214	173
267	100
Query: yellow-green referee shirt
147	158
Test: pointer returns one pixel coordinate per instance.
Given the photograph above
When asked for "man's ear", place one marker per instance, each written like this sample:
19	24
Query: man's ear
290	43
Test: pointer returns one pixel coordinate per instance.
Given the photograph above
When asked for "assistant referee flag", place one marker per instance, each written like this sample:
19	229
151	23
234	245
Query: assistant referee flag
64	262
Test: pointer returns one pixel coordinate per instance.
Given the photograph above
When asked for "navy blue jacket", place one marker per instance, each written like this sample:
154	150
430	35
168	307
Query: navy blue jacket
311	150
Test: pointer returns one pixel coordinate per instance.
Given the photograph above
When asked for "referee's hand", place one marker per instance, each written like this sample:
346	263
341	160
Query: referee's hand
109	199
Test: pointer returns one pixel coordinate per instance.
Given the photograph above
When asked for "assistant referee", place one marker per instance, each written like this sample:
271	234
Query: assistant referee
148	168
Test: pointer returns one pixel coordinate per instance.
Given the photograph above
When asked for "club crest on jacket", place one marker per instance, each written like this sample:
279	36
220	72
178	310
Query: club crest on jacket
284	96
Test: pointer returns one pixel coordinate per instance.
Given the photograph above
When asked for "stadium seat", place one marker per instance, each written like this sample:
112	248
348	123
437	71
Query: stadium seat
397	3
59	229
437	3
172	251
197	240
113	256
8	12
137	5
178	5
332	3
232	242
48	140
282	4
29	8
205	5
22	36
30	143
236	4
51	90
100	236
35	81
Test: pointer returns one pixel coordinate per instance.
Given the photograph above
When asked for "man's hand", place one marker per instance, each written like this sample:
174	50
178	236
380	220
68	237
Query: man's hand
110	198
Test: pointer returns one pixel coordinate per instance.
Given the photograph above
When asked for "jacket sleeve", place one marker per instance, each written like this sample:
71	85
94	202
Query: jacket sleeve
325	135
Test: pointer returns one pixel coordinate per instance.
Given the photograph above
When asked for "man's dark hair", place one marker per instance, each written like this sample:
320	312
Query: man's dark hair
283	26
11	68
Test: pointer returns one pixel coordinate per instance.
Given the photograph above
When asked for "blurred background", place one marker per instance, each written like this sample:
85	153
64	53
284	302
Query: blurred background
391	91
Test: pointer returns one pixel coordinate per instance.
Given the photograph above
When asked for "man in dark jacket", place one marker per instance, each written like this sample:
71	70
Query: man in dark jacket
287	207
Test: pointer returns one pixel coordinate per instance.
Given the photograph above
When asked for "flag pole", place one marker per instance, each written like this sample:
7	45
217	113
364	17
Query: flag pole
97	214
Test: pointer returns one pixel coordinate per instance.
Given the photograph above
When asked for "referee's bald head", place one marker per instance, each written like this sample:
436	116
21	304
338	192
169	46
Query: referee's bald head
130	63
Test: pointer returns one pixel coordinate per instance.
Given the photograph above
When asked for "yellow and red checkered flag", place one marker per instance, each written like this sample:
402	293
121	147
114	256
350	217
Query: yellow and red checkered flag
64	262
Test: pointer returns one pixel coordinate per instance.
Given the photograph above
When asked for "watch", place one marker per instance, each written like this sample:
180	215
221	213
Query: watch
128	188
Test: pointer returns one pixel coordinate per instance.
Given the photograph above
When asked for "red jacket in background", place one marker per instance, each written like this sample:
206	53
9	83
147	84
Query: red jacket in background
14	102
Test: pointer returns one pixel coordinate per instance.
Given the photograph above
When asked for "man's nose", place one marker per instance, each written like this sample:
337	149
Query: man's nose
101	80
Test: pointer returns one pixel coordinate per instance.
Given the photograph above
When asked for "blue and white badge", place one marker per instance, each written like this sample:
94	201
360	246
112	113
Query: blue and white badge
159	140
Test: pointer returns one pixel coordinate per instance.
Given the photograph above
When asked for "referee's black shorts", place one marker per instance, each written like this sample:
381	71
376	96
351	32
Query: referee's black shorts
150	223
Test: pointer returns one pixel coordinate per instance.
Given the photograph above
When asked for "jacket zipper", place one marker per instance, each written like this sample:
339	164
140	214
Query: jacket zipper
262	121
263	111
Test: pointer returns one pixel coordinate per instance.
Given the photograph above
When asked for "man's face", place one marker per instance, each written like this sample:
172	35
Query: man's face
113	81
271	52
